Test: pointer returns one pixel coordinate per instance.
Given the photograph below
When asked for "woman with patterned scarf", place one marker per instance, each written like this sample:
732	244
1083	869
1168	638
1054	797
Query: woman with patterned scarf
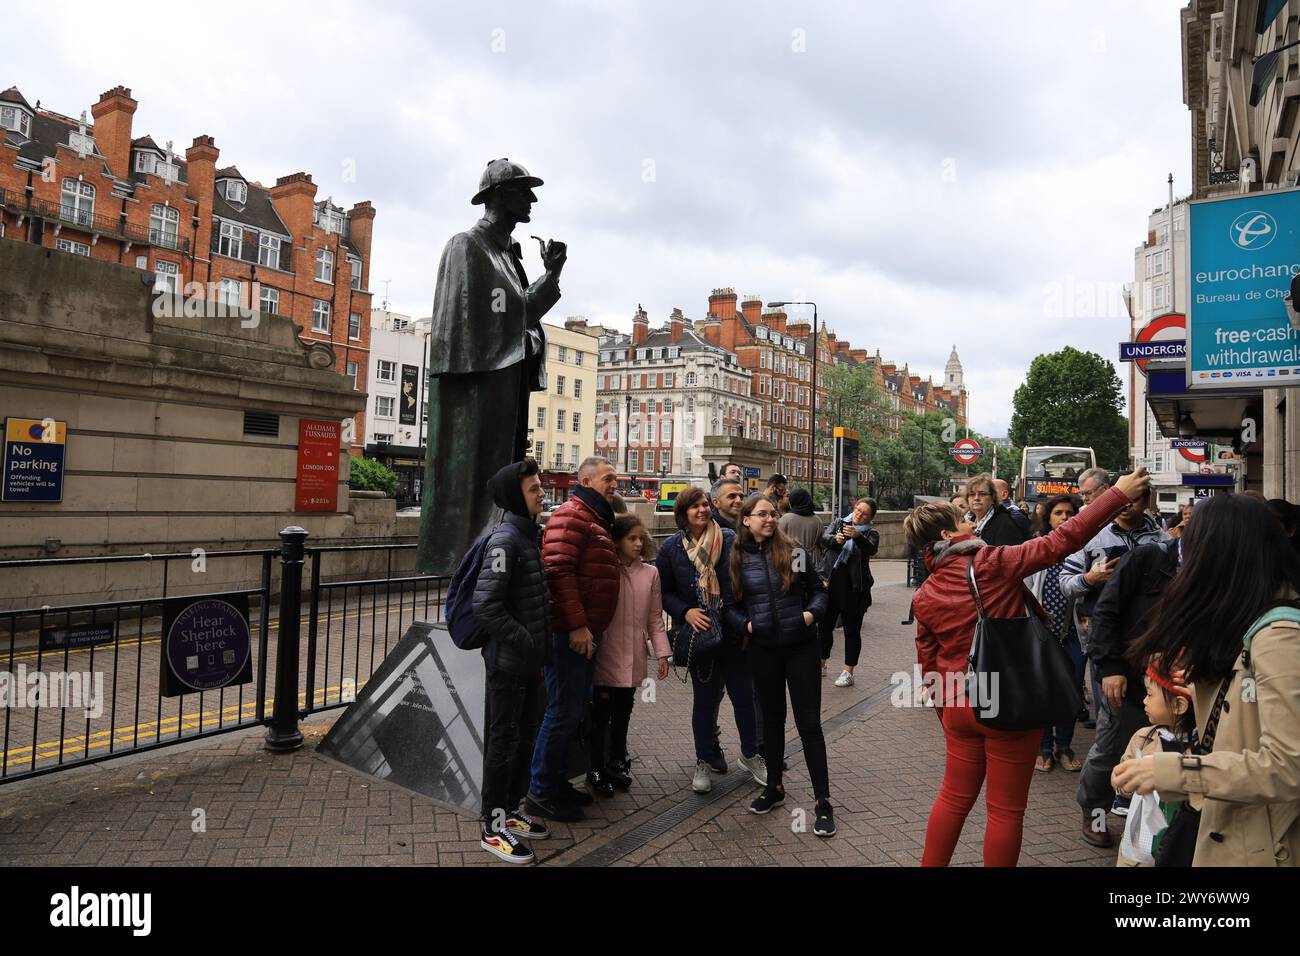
692	573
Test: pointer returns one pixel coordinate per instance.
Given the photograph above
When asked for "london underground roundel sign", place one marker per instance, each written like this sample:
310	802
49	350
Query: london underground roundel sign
1170	326
966	452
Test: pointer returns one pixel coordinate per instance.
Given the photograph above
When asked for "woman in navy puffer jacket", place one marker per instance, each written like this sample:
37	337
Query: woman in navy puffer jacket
776	599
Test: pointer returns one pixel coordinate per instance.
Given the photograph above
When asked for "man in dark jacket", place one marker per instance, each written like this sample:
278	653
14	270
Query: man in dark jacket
848	545
510	604
582	576
1007	504
1118	618
725	499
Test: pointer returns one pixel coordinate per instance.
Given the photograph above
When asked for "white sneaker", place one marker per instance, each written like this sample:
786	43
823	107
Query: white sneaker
844	680
757	768
701	783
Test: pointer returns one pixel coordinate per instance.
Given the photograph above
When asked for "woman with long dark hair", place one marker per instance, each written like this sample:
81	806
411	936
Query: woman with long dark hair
776	600
1239	572
693	576
945	623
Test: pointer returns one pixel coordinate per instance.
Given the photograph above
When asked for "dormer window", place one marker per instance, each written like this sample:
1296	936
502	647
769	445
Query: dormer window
236	191
17	119
83	143
329	218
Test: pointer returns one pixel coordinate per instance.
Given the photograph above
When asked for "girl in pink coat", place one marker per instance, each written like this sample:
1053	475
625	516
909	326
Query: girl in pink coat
621	655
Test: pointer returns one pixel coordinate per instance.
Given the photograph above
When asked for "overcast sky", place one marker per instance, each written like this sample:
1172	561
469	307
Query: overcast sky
930	173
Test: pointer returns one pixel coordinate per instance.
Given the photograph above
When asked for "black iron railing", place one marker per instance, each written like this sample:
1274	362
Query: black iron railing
85	682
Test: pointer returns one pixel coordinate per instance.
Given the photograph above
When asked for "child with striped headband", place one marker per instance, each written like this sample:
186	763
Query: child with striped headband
1173	728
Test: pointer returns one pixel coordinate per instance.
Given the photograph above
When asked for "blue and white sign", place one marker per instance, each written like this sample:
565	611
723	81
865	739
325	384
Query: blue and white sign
1162	349
1244	252
1186	443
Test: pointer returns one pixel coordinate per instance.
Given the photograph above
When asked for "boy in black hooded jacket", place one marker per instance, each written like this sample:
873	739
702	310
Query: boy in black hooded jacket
510	604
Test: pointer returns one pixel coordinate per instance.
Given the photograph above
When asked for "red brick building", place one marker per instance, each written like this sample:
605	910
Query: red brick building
95	189
777	350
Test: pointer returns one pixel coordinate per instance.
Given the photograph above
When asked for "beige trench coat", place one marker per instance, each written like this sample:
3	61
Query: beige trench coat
1249	786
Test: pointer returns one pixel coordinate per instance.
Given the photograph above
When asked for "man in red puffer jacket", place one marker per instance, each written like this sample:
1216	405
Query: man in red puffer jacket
582	575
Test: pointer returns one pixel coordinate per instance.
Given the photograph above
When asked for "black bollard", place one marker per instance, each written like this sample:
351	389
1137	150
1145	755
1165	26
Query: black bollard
283	735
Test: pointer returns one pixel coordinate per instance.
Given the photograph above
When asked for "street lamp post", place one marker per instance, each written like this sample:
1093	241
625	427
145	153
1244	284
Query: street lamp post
812	419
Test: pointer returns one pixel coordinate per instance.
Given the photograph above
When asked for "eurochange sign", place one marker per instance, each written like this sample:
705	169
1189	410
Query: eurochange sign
1244	252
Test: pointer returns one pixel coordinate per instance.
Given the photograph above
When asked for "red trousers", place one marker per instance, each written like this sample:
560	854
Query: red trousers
974	752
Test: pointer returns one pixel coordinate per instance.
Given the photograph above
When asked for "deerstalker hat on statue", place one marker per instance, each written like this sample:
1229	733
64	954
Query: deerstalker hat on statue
502	171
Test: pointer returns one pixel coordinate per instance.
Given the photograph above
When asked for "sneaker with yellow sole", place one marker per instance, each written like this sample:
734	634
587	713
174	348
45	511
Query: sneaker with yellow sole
506	846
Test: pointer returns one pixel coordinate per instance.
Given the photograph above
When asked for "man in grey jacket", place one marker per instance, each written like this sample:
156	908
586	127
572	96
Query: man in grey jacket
1082	579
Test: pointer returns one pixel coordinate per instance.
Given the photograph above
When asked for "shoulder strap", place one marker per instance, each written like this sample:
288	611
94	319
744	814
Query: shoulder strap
974	588
1206	743
1283	612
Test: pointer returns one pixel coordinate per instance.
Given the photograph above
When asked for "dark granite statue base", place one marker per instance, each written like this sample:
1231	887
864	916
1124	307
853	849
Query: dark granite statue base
419	721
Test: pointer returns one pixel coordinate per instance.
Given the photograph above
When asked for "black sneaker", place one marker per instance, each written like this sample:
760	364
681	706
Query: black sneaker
619	773
825	825
769	799
525	827
554	808
717	761
1120	806
506	846
600	783
575	795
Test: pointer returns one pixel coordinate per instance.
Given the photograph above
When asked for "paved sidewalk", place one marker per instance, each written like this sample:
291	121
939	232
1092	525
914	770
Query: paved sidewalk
226	801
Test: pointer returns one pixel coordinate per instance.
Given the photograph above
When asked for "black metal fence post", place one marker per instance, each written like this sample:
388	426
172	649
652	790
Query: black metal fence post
284	735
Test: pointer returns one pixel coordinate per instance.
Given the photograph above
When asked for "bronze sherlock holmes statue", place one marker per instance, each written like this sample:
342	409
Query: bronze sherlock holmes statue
487	353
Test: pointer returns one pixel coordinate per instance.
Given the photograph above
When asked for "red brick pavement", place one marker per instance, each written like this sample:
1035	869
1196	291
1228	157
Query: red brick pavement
226	801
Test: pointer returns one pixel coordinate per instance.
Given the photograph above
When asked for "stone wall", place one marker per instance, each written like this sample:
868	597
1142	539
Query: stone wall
157	459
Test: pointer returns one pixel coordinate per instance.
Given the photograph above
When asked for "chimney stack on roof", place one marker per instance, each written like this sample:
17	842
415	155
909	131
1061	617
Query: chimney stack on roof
112	131
640	326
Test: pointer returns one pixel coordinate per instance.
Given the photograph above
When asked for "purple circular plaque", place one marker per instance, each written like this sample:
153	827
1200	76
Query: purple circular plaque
208	644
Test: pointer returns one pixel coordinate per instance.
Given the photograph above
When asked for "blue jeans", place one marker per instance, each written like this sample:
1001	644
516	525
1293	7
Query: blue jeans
730	669
568	690
1064	733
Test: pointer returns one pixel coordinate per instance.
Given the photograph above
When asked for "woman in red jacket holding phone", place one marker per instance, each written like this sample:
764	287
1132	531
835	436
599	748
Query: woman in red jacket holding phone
945	624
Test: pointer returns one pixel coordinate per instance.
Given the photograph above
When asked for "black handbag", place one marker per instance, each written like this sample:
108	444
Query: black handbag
690	647
1018	676
1178	842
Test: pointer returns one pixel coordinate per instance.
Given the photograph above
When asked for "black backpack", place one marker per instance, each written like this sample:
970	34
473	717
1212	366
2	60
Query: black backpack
459	613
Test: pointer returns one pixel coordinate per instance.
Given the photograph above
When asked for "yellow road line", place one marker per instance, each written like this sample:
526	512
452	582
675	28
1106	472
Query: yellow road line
206	718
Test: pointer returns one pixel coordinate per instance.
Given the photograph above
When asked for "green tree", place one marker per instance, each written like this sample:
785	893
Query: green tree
367	474
1071	398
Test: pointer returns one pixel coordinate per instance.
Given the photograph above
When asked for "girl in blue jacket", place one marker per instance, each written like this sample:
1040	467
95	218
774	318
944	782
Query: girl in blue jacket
776	600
